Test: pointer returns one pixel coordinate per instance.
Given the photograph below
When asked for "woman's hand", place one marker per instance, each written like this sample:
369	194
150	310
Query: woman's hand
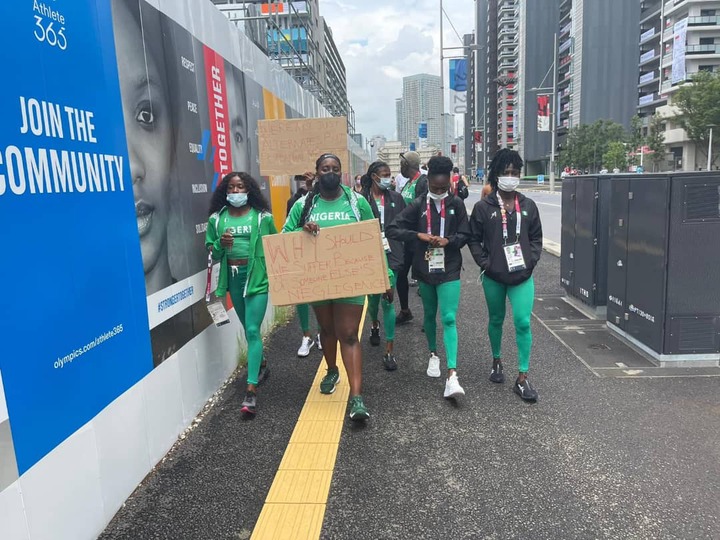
311	227
226	240
389	295
424	237
439	241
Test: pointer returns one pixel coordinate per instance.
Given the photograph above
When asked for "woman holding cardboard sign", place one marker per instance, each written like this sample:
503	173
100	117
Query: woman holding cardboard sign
329	204
437	226
239	218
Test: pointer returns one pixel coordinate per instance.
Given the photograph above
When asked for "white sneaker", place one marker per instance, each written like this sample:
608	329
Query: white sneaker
307	344
433	369
319	343
453	388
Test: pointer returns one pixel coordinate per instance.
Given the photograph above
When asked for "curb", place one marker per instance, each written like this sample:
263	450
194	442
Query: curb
553	248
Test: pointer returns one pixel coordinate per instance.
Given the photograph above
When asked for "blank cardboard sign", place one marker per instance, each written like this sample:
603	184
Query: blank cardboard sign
341	261
290	147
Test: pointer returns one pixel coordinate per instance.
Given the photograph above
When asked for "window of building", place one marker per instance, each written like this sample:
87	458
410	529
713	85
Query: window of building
707	41
707	68
707	12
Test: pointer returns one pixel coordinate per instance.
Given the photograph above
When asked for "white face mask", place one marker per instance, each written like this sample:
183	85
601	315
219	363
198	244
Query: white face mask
508	183
437	196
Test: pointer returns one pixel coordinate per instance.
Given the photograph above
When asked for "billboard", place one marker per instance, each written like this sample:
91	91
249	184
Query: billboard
543	113
118	124
679	45
458	85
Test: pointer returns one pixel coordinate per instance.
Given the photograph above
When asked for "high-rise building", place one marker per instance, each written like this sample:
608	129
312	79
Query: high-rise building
399	119
597	62
537	23
661	22
507	66
294	35
420	103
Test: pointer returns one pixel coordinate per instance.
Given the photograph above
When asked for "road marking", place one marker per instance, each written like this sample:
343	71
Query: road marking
620	365
548	204
295	504
632	371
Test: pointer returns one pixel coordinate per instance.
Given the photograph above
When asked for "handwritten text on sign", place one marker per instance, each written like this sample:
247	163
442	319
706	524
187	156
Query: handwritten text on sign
292	146
341	261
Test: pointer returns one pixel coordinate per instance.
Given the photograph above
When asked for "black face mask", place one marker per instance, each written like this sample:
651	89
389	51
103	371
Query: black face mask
329	181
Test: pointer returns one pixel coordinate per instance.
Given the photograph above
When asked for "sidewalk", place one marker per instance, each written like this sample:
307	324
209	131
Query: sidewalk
594	458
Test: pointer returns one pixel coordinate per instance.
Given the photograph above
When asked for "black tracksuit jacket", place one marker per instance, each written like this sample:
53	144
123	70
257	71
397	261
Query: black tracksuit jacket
413	220
486	241
394	205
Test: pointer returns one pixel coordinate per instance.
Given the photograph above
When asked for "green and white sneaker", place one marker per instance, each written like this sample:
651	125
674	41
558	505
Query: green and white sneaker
330	381
358	411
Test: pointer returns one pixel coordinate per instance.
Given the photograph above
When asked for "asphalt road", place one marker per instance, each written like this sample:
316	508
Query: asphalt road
594	458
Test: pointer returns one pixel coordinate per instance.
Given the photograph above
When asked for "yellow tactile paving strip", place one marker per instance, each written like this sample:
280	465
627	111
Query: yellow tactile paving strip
295	505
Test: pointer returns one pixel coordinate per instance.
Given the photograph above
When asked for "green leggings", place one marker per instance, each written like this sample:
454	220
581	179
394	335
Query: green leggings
303	311
521	298
251	311
448	296
388	311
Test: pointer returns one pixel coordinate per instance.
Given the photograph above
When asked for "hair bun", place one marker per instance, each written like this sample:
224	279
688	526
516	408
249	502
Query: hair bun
440	165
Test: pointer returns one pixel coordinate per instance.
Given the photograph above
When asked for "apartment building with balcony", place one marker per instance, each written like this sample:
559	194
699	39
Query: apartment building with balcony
537	22
660	22
504	77
597	62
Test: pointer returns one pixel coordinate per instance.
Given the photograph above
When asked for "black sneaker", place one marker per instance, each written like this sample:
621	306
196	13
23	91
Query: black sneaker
263	374
390	362
525	390
375	336
497	375
249	404
403	316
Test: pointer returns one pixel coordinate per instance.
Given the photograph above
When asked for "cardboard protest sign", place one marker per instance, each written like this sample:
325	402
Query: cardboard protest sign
291	146
342	261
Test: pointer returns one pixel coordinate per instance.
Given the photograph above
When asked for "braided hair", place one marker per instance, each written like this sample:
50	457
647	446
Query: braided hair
256	199
310	197
367	183
500	162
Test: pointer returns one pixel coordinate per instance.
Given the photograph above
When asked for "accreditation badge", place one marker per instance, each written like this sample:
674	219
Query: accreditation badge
514	257
386	244
436	260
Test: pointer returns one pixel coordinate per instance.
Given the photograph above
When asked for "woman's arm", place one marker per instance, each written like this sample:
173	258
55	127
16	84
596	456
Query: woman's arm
291	223
212	239
404	226
536	235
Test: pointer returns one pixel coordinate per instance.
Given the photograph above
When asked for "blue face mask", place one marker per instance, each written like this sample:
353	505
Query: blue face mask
385	183
237	199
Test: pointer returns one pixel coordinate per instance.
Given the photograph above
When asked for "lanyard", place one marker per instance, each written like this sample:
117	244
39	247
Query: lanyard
209	276
505	220
442	217
382	212
407	186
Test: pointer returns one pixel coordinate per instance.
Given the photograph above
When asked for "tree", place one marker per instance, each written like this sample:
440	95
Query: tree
699	105
635	139
615	157
655	140
587	144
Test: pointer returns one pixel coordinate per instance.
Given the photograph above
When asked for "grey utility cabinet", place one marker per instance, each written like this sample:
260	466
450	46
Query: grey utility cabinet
584	237
663	285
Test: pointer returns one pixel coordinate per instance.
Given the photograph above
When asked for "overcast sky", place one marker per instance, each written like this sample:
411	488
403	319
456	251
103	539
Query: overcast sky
382	41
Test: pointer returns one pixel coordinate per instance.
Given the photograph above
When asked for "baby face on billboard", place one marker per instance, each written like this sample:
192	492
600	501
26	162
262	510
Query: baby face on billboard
149	137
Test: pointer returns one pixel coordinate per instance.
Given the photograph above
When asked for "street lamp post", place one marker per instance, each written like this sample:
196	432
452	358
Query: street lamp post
553	113
709	159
